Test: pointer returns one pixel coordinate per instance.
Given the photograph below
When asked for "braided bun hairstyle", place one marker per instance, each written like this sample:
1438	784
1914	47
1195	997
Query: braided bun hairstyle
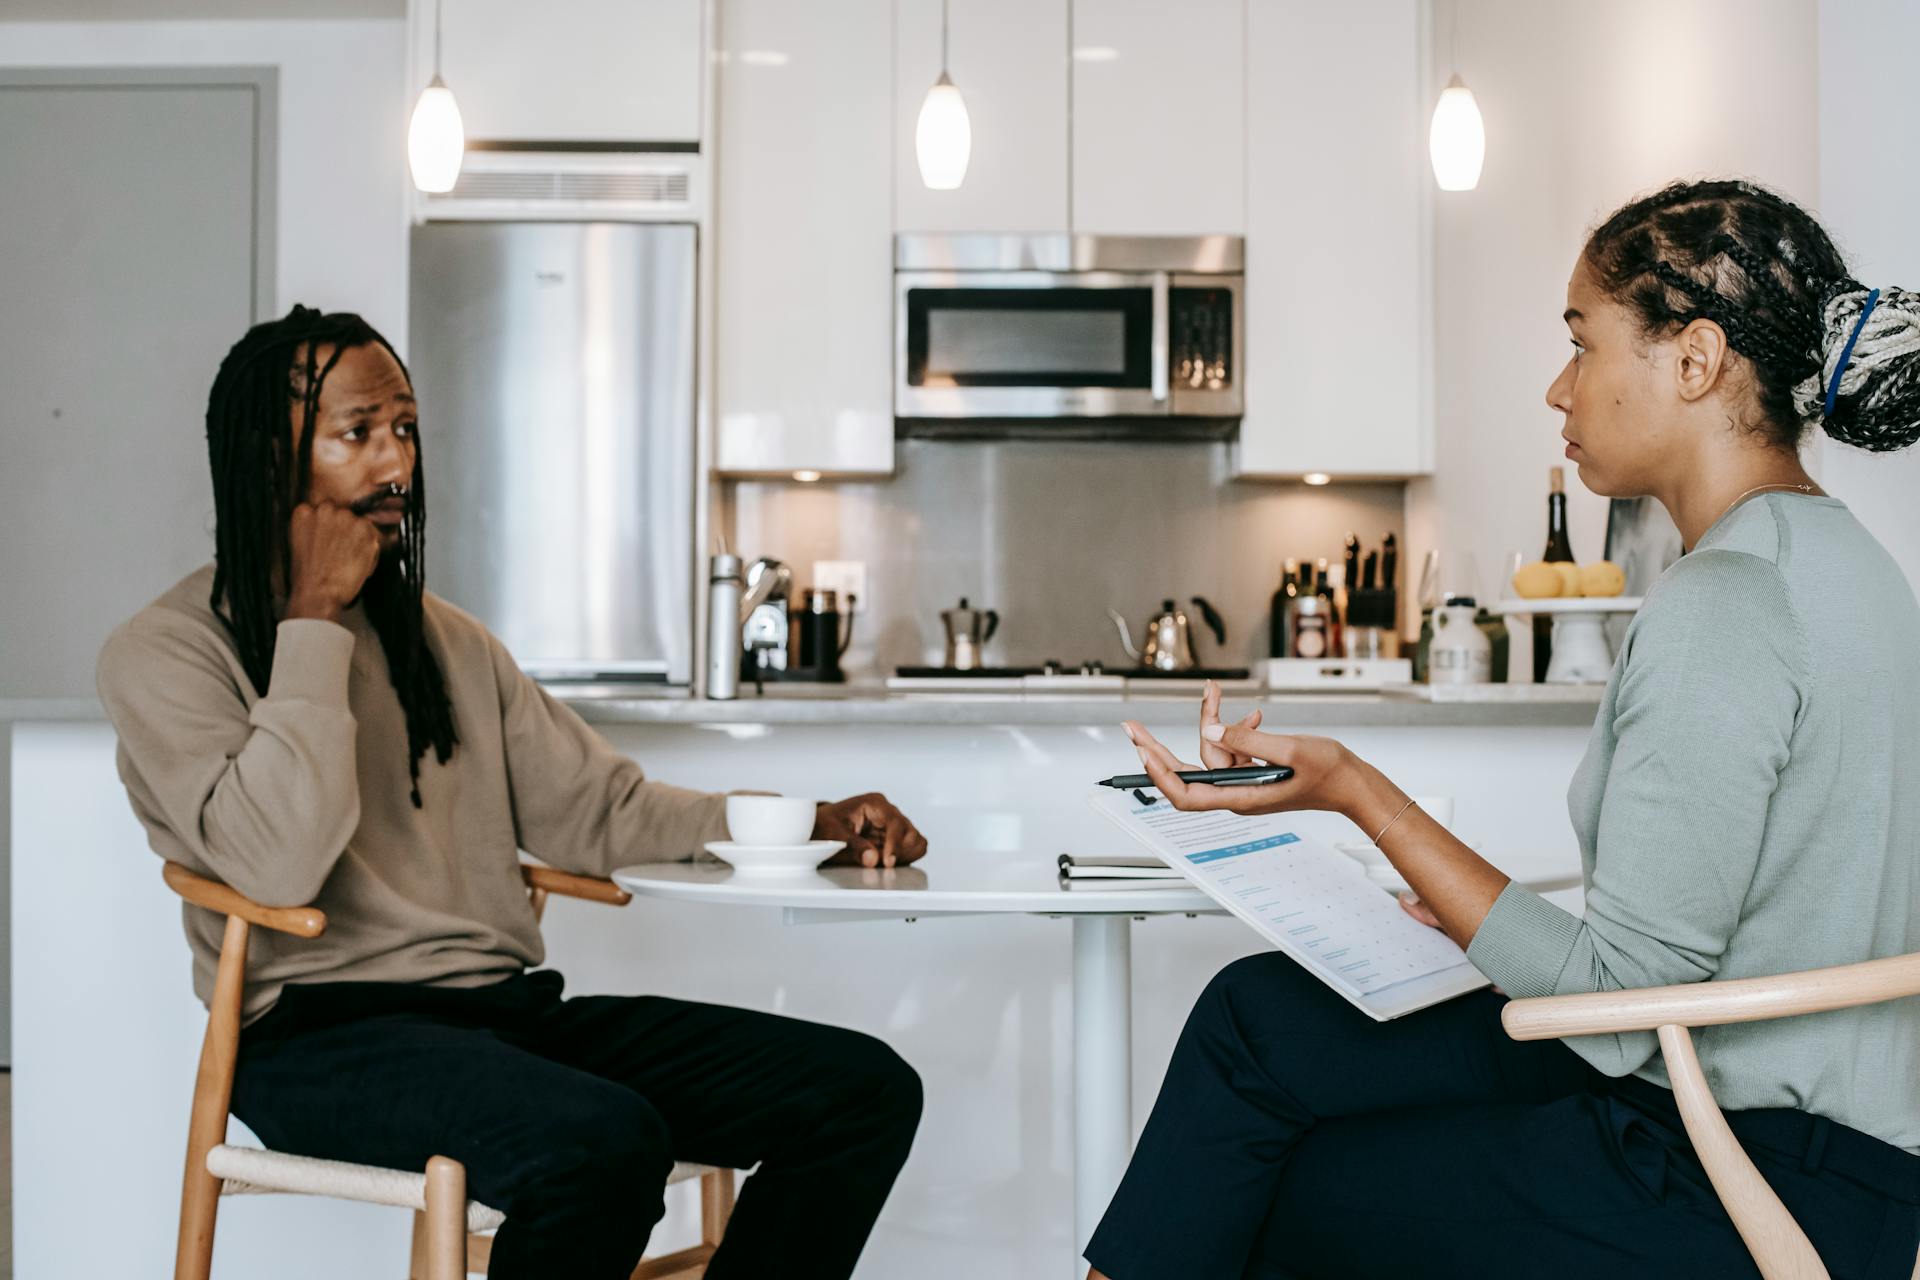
1877	405
1762	269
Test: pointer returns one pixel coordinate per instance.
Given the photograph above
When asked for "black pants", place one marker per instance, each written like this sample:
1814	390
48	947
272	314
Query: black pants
1294	1136
568	1114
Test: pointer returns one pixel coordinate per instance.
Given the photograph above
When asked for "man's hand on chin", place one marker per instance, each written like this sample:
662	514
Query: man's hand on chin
877	834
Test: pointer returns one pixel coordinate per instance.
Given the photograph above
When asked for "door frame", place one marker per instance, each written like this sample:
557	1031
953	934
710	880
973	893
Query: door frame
262	83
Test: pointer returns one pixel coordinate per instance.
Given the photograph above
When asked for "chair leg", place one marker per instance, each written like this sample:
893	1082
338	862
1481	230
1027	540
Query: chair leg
199	1206
446	1219
207	1123
716	1204
479	1254
417	1253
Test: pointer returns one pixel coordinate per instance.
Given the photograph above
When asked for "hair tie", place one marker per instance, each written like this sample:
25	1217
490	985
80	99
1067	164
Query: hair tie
1846	352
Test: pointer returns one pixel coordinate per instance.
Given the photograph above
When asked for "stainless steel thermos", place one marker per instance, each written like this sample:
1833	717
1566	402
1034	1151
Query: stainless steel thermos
724	585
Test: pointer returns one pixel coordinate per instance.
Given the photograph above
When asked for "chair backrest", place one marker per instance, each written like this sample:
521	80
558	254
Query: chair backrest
220	1047
1779	1247
213	1082
243	915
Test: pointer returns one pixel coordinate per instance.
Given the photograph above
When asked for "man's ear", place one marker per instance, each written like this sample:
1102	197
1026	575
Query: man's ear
1700	359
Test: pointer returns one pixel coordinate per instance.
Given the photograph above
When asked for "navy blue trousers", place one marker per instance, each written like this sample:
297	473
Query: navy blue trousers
569	1113
1296	1137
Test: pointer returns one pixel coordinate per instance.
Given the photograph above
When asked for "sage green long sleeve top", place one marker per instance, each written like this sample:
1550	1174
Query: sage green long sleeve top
302	795
1749	804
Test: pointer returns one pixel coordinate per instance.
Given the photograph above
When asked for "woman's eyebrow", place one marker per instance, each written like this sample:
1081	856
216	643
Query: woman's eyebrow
1570	315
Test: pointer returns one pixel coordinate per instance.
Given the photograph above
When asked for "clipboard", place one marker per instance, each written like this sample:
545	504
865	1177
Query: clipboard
1305	899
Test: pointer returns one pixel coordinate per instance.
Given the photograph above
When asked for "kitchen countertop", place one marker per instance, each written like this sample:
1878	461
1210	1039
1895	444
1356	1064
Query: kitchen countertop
1536	706
45	709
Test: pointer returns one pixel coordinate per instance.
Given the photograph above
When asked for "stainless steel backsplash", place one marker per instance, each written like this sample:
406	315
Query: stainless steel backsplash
1050	535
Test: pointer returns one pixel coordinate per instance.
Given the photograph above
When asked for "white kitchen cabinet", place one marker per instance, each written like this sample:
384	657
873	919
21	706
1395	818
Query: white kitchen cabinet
1159	115
1337	362
803	355
595	71
1009	60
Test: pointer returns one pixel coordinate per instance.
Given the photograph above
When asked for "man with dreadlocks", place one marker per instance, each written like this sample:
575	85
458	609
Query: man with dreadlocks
304	722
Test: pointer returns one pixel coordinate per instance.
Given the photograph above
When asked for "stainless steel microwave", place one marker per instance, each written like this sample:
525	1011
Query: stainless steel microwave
1012	328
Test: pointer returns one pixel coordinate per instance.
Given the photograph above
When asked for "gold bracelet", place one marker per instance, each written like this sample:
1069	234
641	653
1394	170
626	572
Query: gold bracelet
1390	822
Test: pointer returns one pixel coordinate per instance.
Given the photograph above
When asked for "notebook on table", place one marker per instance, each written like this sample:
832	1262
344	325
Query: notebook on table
1304	898
1112	866
1109	872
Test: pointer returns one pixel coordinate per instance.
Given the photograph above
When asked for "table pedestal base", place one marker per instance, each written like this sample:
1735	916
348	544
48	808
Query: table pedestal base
1102	1068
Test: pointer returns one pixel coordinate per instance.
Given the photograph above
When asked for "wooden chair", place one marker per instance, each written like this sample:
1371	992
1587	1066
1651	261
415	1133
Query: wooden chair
447	1232
1779	1247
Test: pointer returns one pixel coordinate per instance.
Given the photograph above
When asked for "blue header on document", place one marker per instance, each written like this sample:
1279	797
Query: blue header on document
1251	846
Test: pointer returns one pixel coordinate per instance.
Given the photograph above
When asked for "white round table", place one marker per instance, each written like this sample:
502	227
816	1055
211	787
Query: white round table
962	884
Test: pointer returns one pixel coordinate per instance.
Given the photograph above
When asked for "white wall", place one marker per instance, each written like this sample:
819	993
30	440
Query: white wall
1585	105
342	241
1869	199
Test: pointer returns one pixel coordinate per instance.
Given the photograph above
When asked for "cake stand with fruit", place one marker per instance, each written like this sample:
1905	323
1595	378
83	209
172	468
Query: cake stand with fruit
1579	598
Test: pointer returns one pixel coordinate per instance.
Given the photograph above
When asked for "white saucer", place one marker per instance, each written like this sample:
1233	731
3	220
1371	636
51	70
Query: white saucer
774	859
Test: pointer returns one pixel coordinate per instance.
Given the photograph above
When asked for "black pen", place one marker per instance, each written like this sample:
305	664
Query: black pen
1245	776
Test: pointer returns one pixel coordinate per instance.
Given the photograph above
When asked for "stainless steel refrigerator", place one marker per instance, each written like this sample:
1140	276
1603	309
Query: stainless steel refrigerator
554	364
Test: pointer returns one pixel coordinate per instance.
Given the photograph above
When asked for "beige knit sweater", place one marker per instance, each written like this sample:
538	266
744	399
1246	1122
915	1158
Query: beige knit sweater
301	796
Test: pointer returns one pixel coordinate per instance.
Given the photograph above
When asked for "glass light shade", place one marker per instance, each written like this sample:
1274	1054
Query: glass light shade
436	141
943	139
1457	140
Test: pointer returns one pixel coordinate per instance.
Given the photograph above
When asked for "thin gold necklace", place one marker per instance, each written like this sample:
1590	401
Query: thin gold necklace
1801	488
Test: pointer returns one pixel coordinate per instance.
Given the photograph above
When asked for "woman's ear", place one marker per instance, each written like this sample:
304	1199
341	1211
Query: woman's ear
1700	357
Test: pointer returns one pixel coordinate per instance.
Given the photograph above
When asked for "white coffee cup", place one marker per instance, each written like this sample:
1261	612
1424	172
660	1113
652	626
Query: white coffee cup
761	821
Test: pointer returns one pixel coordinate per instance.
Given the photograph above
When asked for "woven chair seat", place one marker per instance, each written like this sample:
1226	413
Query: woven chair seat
254	1171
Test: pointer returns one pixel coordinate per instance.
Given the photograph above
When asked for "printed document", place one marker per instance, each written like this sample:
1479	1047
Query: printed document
1312	902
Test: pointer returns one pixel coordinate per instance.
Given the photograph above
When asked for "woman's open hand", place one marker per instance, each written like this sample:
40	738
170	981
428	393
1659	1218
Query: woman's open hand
1321	767
1213	755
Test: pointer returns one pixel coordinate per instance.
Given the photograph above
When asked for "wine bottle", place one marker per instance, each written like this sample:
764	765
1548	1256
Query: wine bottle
1558	548
1323	587
1277	638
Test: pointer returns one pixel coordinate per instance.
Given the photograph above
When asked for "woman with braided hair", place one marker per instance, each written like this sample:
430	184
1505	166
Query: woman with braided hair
1748	806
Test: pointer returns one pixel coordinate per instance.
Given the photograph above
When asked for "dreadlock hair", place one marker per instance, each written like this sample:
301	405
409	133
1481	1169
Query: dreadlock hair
259	477
1762	269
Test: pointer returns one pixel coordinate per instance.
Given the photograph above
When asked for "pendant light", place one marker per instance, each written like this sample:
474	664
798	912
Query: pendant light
436	140
943	138
1457	140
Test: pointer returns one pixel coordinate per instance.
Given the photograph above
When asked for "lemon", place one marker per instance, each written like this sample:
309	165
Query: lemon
1602	578
1536	581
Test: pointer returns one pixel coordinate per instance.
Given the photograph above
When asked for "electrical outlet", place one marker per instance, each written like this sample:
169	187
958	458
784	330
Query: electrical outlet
848	577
